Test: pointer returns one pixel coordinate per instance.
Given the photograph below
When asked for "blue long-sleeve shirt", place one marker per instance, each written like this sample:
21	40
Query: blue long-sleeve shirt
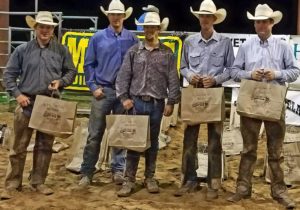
104	56
270	54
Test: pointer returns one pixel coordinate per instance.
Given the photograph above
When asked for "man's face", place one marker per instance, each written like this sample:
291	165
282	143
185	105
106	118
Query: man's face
44	32
263	28
151	32
116	20
207	21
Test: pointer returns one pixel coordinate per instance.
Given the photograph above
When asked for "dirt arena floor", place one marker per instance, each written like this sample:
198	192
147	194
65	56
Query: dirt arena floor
102	193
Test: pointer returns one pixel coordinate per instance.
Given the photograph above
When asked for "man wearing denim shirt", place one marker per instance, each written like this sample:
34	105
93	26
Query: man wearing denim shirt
263	57
204	58
148	76
103	60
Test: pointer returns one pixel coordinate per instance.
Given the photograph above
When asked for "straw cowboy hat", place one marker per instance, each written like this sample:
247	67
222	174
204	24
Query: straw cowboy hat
42	17
208	7
263	12
153	19
117	7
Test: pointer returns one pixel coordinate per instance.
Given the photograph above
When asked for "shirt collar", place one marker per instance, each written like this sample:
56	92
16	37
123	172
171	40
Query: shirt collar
142	45
215	36
267	42
112	32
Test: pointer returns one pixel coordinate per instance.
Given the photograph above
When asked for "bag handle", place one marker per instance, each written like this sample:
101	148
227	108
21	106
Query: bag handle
55	93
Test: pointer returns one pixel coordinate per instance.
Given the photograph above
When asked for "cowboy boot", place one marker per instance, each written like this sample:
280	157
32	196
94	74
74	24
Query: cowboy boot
42	154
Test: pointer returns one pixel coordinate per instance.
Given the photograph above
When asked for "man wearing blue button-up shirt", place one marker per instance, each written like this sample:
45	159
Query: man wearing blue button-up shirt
103	60
205	57
263	58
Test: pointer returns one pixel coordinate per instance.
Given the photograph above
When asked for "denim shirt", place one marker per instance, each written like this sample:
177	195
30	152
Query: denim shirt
207	57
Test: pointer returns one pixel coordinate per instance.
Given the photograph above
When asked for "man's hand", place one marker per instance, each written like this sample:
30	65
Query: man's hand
128	104
208	81
168	110
269	74
257	74
196	79
98	93
54	85
23	100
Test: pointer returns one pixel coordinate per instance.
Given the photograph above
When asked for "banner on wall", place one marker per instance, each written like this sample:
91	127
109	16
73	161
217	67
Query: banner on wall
77	42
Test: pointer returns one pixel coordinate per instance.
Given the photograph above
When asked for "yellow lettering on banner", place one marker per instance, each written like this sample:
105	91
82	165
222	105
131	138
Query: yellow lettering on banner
78	51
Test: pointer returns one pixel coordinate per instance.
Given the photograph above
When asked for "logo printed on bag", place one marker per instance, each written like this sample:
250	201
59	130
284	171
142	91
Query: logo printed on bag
53	111
128	132
199	103
129	129
260	96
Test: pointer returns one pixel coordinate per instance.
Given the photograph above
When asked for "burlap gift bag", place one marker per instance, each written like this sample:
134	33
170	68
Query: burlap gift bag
53	116
202	105
128	132
261	100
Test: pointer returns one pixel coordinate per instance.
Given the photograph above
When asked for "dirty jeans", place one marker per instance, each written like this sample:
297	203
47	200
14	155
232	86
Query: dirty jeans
97	124
42	153
155	110
275	131
189	156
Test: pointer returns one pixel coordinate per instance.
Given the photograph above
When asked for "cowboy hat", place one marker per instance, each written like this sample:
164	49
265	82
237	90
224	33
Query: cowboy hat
42	17
263	12
208	7
117	7
151	8
153	19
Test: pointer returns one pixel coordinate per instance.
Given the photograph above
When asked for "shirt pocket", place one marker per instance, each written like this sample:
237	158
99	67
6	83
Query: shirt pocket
217	60
194	60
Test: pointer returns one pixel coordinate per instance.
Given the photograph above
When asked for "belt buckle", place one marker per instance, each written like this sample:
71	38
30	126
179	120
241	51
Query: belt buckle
146	98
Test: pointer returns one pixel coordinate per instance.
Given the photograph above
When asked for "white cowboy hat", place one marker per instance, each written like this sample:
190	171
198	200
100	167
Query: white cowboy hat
208	7
153	19
117	7
42	17
263	12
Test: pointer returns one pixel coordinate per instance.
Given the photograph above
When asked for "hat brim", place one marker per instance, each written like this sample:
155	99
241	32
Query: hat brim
31	22
276	16
220	14
127	13
163	25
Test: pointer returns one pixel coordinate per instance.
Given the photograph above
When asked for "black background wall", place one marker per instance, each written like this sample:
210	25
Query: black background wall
177	10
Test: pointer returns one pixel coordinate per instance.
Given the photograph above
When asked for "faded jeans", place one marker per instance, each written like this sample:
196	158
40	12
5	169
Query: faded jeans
97	124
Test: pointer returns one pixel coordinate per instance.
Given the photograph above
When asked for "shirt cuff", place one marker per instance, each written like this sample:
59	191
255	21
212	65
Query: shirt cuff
93	87
124	97
278	74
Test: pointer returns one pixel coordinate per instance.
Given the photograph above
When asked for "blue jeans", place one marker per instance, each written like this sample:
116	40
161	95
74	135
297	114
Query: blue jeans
97	124
155	110
189	155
